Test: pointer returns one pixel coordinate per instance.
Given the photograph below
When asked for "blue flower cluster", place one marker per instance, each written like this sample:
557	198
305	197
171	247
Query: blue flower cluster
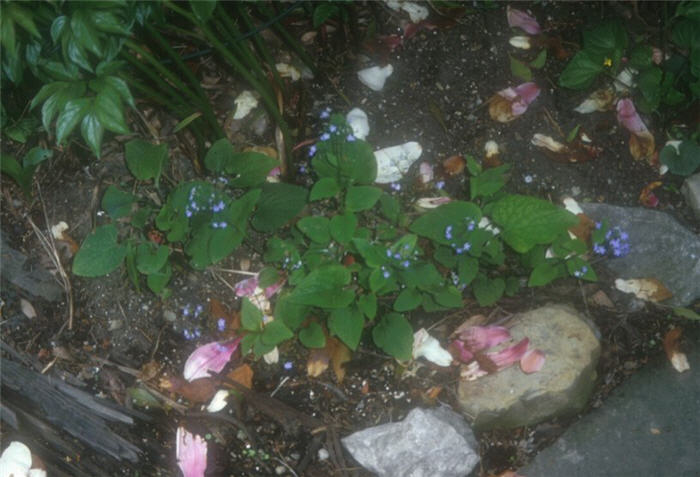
616	242
459	245
581	272
198	201
192	314
289	264
332	130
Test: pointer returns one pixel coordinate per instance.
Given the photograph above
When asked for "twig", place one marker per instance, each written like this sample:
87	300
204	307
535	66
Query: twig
49	247
237	272
554	123
221	279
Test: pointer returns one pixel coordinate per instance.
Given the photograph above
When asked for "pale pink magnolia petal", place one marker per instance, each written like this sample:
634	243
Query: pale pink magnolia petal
191	453
506	357
520	19
246	287
627	116
274	288
477	338
532	361
526	93
459	351
209	359
425	172
472	372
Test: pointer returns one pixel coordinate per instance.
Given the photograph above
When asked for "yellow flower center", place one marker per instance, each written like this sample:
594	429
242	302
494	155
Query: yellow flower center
607	62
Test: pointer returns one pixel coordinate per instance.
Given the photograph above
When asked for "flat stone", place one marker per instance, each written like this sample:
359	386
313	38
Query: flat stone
427	443
661	248
647	427
511	398
691	192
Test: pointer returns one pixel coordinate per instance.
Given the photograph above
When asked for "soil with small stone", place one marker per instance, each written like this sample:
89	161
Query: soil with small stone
437	94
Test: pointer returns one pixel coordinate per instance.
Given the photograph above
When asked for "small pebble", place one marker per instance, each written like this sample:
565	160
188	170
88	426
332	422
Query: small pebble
322	454
280	469
169	315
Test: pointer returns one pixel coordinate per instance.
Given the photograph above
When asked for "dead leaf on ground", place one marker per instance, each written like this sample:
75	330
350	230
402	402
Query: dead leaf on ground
584	228
454	165
318	361
218	310
647	197
334	353
149	370
678	359
649	289
198	391
340	354
574	153
601	299
243	374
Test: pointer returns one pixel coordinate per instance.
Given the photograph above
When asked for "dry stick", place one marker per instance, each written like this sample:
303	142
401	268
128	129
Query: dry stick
49	247
554	123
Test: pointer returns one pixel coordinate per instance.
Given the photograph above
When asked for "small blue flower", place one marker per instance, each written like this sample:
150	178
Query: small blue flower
223	225
528	179
325	114
598	225
577	274
406	264
332	128
467	246
188	213
471	226
386	274
198	310
312	150
223	180
388	253
288	365
325	137
440	185
624	236
186	311
599	249
350	138
187	334
406	247
221	324
397	256
302	170
197	333
396	186
584	269
215	225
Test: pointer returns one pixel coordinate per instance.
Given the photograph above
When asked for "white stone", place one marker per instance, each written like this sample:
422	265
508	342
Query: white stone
358	121
691	192
245	103
393	162
375	77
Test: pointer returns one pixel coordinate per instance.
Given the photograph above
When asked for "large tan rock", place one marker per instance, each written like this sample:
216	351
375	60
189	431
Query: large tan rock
511	398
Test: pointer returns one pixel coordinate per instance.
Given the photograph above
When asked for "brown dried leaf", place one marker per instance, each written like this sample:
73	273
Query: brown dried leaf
340	354
149	370
500	109
647	197
678	360
454	165
233	318
198	391
649	289
601	299
318	361
584	227
243	374
642	146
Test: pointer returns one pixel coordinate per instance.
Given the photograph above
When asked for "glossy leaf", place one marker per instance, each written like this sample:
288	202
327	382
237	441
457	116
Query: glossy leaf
70	116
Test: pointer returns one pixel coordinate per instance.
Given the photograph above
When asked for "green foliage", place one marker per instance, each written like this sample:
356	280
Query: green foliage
100	253
145	160
682	160
23	174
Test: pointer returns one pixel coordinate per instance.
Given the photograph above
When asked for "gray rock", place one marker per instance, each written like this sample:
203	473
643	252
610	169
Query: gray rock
511	398
427	443
647	427
661	248
691	192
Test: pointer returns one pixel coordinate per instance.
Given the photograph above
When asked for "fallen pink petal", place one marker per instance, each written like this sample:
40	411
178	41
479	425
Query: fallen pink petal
274	288
627	116
209	359
506	357
460	352
532	361
527	93
191	453
520	19
246	287
477	338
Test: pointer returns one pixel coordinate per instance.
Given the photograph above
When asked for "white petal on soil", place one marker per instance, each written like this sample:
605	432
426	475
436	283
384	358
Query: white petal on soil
679	361
245	103
15	460
219	401
288	71
58	229
547	142
375	77
625	80
27	308
429	348
522	42
415	12
491	148
357	119
600	100
663	169
393	162
272	357
36	473
426	203
572	206
649	289
425	172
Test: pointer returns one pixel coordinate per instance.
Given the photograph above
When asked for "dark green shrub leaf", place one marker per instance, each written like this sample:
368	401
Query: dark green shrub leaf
368	305
324	188
546	272
361	198
605	39
347	324
324	288
641	56
159	280
528	221
488	182
70	116
92	131
100	253
467	268
409	299
111	112
683	161
268	276
579	268
251	316
520	69
312	336
145	160
316	228
342	227
279	203
685	33
275	332
488	291
203	9
394	335
219	156
449	297
581	71
433	223
150	258
117	203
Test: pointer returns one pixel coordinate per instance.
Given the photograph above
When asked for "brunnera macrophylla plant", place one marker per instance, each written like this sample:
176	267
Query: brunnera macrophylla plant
207	219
